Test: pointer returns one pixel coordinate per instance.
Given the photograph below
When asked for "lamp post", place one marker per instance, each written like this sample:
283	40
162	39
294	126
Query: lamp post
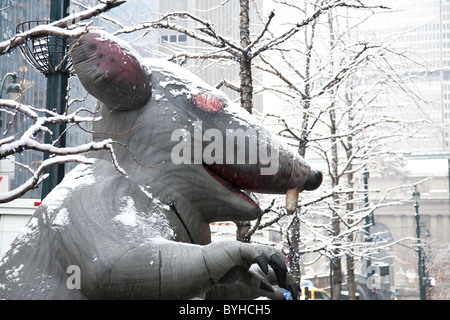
421	262
56	95
47	53
13	89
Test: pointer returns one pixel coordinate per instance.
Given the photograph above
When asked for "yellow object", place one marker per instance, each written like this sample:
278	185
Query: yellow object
311	293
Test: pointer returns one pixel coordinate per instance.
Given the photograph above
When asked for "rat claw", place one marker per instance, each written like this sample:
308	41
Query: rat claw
279	268
266	286
294	289
276	261
262	263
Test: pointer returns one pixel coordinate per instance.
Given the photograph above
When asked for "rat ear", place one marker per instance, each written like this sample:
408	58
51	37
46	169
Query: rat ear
110	70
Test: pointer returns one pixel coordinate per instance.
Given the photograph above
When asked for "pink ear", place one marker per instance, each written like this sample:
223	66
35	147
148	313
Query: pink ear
208	102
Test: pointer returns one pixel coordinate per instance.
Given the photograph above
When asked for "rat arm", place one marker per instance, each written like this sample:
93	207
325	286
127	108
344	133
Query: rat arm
162	269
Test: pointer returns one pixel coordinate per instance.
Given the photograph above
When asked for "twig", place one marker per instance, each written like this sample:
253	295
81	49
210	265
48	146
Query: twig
57	27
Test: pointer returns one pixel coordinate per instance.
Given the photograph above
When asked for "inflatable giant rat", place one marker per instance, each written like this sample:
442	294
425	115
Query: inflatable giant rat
103	235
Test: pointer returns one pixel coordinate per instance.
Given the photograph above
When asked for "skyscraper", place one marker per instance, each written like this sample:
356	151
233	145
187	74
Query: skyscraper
421	29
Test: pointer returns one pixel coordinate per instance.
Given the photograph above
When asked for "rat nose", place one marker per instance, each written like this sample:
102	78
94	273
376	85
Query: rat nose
314	181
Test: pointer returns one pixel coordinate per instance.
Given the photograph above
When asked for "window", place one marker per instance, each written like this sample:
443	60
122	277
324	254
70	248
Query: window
320	296
173	38
446	75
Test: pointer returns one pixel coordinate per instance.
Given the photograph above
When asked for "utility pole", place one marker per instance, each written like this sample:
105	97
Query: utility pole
56	94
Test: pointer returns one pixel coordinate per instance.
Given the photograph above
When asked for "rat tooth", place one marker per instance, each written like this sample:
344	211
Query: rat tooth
291	200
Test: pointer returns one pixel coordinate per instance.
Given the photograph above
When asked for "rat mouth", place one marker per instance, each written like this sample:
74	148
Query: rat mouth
231	187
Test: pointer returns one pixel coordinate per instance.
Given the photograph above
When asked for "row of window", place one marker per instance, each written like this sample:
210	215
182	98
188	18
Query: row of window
173	38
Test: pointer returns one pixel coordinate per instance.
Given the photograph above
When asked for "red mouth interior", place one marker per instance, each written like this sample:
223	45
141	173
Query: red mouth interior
235	190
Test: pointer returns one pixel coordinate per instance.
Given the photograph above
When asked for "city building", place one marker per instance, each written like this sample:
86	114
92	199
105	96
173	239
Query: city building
421	29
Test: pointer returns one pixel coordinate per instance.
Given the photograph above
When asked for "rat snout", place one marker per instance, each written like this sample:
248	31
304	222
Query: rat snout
314	181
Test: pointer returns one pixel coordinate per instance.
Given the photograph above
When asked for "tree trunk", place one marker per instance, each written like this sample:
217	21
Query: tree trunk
294	240
351	278
336	261
350	206
335	221
294	244
245	59
350	259
246	91
242	228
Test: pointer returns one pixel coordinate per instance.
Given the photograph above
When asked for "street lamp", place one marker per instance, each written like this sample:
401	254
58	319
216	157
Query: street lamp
421	263
13	90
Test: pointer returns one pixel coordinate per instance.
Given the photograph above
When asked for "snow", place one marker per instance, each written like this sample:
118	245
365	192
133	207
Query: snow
27	233
179	92
427	167
159	97
79	177
152	222
190	85
61	219
156	201
28	141
174	71
123	45
13	274
10	44
128	212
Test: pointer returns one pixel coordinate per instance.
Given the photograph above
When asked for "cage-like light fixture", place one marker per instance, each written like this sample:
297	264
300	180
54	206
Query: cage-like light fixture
46	52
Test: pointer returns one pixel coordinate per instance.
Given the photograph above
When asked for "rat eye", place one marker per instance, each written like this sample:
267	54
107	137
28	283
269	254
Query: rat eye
207	102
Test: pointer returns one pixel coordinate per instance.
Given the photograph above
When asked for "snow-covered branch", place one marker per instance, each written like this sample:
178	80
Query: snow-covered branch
38	175
59	27
31	139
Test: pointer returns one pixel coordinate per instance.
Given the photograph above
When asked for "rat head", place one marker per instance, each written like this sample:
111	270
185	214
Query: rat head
210	152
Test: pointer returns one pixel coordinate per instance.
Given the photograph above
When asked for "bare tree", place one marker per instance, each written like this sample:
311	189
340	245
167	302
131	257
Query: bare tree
437	269
341	79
